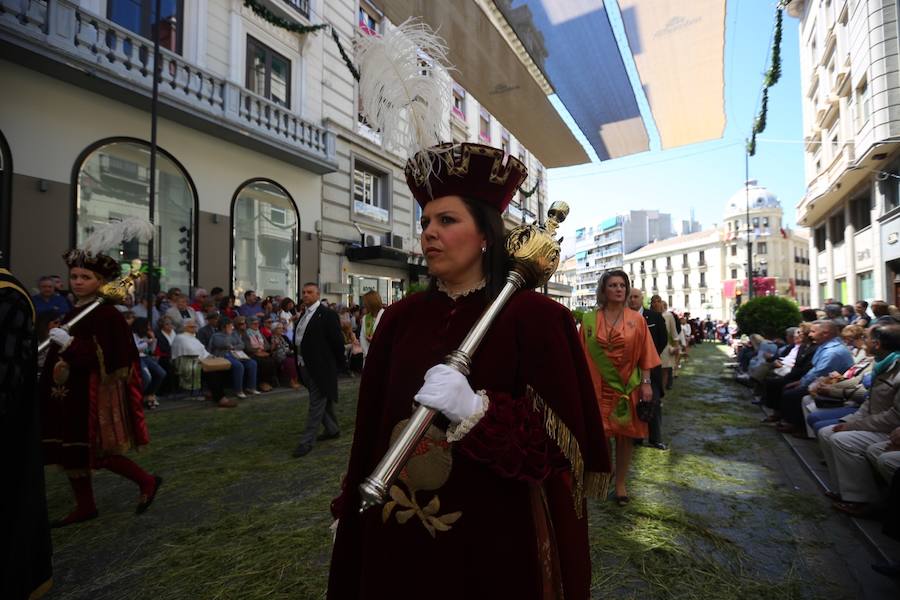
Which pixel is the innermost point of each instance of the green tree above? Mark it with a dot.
(768, 316)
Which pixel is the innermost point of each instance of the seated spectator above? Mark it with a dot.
(257, 347)
(226, 343)
(881, 312)
(152, 373)
(187, 352)
(251, 307)
(862, 317)
(167, 300)
(144, 308)
(853, 337)
(834, 311)
(186, 357)
(830, 355)
(845, 444)
(216, 295)
(181, 312)
(885, 456)
(837, 395)
(774, 385)
(48, 300)
(266, 328)
(283, 353)
(200, 297)
(165, 335)
(226, 307)
(352, 347)
(205, 333)
(289, 315)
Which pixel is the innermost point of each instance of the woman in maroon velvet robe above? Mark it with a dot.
(90, 389)
(493, 507)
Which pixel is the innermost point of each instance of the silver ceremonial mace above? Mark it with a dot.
(535, 255)
(113, 292)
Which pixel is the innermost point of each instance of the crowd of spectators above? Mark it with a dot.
(177, 335)
(835, 378)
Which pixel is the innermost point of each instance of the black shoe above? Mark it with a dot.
(887, 569)
(658, 445)
(302, 450)
(638, 442)
(328, 436)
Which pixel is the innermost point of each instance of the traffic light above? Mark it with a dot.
(737, 297)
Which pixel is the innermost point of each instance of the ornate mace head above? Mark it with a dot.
(114, 292)
(533, 248)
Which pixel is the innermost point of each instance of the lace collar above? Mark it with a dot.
(457, 295)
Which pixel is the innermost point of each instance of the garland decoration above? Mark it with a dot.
(529, 194)
(771, 78)
(267, 15)
(344, 55)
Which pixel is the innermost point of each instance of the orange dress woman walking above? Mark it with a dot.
(620, 353)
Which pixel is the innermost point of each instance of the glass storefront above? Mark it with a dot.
(266, 250)
(865, 287)
(388, 288)
(114, 183)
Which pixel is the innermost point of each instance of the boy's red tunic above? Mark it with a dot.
(511, 511)
(91, 393)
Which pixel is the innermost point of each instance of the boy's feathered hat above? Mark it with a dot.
(105, 237)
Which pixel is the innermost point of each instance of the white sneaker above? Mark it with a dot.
(241, 395)
(254, 392)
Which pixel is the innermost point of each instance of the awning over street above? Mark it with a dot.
(512, 54)
(490, 69)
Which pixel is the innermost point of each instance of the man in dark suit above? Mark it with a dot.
(657, 326)
(319, 346)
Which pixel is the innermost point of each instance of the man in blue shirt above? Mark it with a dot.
(47, 300)
(831, 355)
(251, 307)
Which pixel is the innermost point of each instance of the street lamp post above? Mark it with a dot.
(749, 239)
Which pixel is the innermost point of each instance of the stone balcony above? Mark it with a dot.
(63, 40)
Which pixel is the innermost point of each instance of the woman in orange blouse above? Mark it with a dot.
(621, 353)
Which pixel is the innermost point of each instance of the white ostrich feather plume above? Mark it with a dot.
(404, 85)
(111, 235)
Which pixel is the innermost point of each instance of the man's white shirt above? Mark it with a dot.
(301, 329)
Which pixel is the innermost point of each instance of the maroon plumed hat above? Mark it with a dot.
(476, 171)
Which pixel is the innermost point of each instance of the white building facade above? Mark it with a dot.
(704, 273)
(266, 177)
(849, 58)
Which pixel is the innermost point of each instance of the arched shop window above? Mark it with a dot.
(113, 182)
(265, 254)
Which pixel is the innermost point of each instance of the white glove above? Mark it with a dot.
(61, 337)
(448, 391)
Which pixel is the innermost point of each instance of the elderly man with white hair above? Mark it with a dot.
(187, 352)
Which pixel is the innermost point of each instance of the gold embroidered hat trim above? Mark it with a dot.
(584, 483)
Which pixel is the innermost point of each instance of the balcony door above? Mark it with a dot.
(137, 16)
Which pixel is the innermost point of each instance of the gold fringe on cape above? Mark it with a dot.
(585, 483)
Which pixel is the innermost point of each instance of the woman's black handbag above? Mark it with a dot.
(645, 411)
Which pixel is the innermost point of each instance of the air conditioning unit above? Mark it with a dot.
(370, 240)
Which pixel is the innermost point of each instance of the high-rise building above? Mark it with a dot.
(603, 246)
(851, 123)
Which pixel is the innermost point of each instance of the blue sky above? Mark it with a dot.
(703, 176)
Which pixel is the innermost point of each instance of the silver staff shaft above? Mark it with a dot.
(373, 490)
(72, 323)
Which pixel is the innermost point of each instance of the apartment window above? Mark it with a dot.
(889, 188)
(686, 280)
(761, 248)
(836, 225)
(370, 198)
(137, 16)
(268, 73)
(459, 101)
(669, 282)
(819, 238)
(655, 287)
(734, 249)
(755, 222)
(504, 141)
(484, 126)
(687, 300)
(369, 19)
(653, 264)
(765, 222)
(523, 156)
(702, 258)
(729, 226)
(668, 262)
(734, 273)
(684, 260)
(863, 103)
(703, 280)
(861, 211)
(671, 304)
